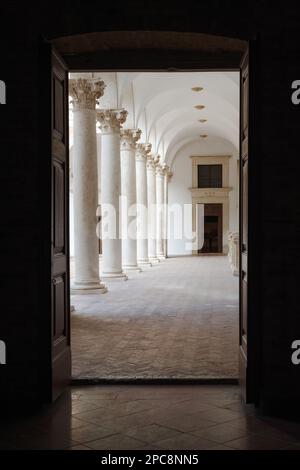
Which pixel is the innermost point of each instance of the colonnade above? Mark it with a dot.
(134, 188)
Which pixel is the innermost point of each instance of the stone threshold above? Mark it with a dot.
(155, 381)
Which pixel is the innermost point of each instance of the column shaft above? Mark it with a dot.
(142, 204)
(165, 218)
(98, 138)
(110, 121)
(128, 191)
(159, 211)
(151, 192)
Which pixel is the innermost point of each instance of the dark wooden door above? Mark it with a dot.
(56, 341)
(246, 340)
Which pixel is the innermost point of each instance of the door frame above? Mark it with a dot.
(178, 60)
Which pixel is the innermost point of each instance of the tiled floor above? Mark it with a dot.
(178, 319)
(150, 417)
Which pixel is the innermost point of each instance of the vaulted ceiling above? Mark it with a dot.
(174, 108)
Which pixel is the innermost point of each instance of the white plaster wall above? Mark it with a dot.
(181, 181)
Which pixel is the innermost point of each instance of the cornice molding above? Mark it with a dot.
(210, 192)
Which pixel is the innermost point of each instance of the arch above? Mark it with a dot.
(91, 42)
(181, 144)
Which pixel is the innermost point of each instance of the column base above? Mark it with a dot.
(144, 263)
(161, 257)
(88, 288)
(111, 276)
(132, 268)
(154, 260)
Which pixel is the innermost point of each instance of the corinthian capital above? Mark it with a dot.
(159, 170)
(110, 120)
(150, 162)
(85, 93)
(142, 151)
(157, 159)
(165, 168)
(129, 137)
(170, 174)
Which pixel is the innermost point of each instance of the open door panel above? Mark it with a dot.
(248, 369)
(61, 355)
(55, 359)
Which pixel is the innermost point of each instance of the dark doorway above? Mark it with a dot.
(213, 232)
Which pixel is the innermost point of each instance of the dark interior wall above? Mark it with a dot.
(276, 192)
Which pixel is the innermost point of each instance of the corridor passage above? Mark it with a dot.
(177, 319)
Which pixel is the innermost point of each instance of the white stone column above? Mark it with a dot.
(98, 137)
(142, 151)
(165, 217)
(160, 179)
(151, 192)
(109, 125)
(129, 137)
(85, 185)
